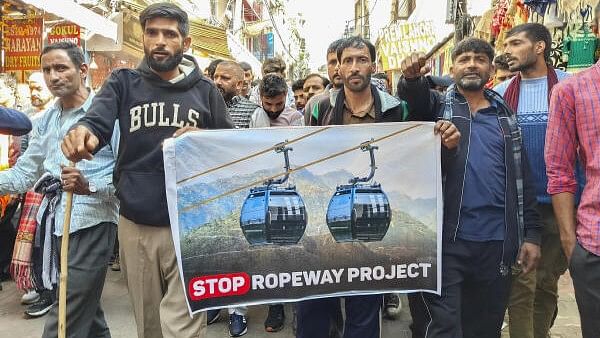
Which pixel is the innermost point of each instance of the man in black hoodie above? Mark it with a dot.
(164, 97)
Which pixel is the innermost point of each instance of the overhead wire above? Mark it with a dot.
(265, 2)
(290, 171)
(286, 142)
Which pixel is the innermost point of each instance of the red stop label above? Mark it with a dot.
(230, 284)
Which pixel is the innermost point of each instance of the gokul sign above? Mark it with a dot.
(65, 32)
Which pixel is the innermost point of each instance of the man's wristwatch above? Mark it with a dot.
(92, 187)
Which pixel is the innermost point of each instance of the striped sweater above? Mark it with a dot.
(532, 116)
(240, 109)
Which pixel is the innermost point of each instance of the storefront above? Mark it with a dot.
(111, 39)
(574, 42)
(441, 59)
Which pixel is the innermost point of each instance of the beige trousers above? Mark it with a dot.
(149, 265)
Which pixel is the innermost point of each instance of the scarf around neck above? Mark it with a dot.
(511, 96)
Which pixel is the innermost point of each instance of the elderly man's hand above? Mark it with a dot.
(73, 180)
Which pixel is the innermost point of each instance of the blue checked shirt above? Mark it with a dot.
(44, 155)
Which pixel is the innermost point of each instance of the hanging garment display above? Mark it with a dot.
(499, 16)
(570, 6)
(483, 28)
(517, 14)
(539, 6)
(579, 49)
(552, 19)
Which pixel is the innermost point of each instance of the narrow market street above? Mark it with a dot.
(229, 153)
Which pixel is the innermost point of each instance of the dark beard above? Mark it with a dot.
(528, 64)
(362, 86)
(273, 115)
(227, 96)
(166, 65)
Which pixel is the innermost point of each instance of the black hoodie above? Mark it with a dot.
(149, 110)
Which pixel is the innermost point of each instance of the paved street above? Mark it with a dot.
(120, 318)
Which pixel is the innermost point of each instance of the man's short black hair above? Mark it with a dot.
(473, 45)
(166, 10)
(274, 65)
(334, 46)
(273, 85)
(355, 42)
(298, 85)
(245, 66)
(501, 62)
(535, 32)
(323, 79)
(212, 67)
(75, 53)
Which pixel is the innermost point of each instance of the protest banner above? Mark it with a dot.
(285, 214)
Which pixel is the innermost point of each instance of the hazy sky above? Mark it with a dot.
(326, 20)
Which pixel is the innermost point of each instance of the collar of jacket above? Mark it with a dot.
(382, 101)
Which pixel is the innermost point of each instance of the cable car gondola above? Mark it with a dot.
(274, 213)
(359, 211)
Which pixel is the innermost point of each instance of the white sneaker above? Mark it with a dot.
(30, 297)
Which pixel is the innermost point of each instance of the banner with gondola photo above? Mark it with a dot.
(285, 214)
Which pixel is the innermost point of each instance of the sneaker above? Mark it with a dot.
(212, 316)
(41, 307)
(391, 306)
(116, 264)
(275, 319)
(30, 297)
(237, 325)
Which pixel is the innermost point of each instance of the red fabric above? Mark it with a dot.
(511, 95)
(573, 132)
(499, 16)
(21, 264)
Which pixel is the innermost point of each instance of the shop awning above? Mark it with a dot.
(78, 14)
(209, 39)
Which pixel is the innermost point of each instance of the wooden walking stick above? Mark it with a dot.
(64, 254)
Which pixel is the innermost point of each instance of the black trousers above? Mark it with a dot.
(474, 294)
(585, 271)
(89, 252)
(362, 317)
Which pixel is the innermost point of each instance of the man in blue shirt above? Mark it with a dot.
(95, 209)
(490, 220)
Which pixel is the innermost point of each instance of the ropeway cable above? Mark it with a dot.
(244, 187)
(284, 143)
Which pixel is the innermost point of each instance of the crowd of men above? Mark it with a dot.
(520, 162)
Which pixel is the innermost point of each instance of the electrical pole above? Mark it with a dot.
(457, 10)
